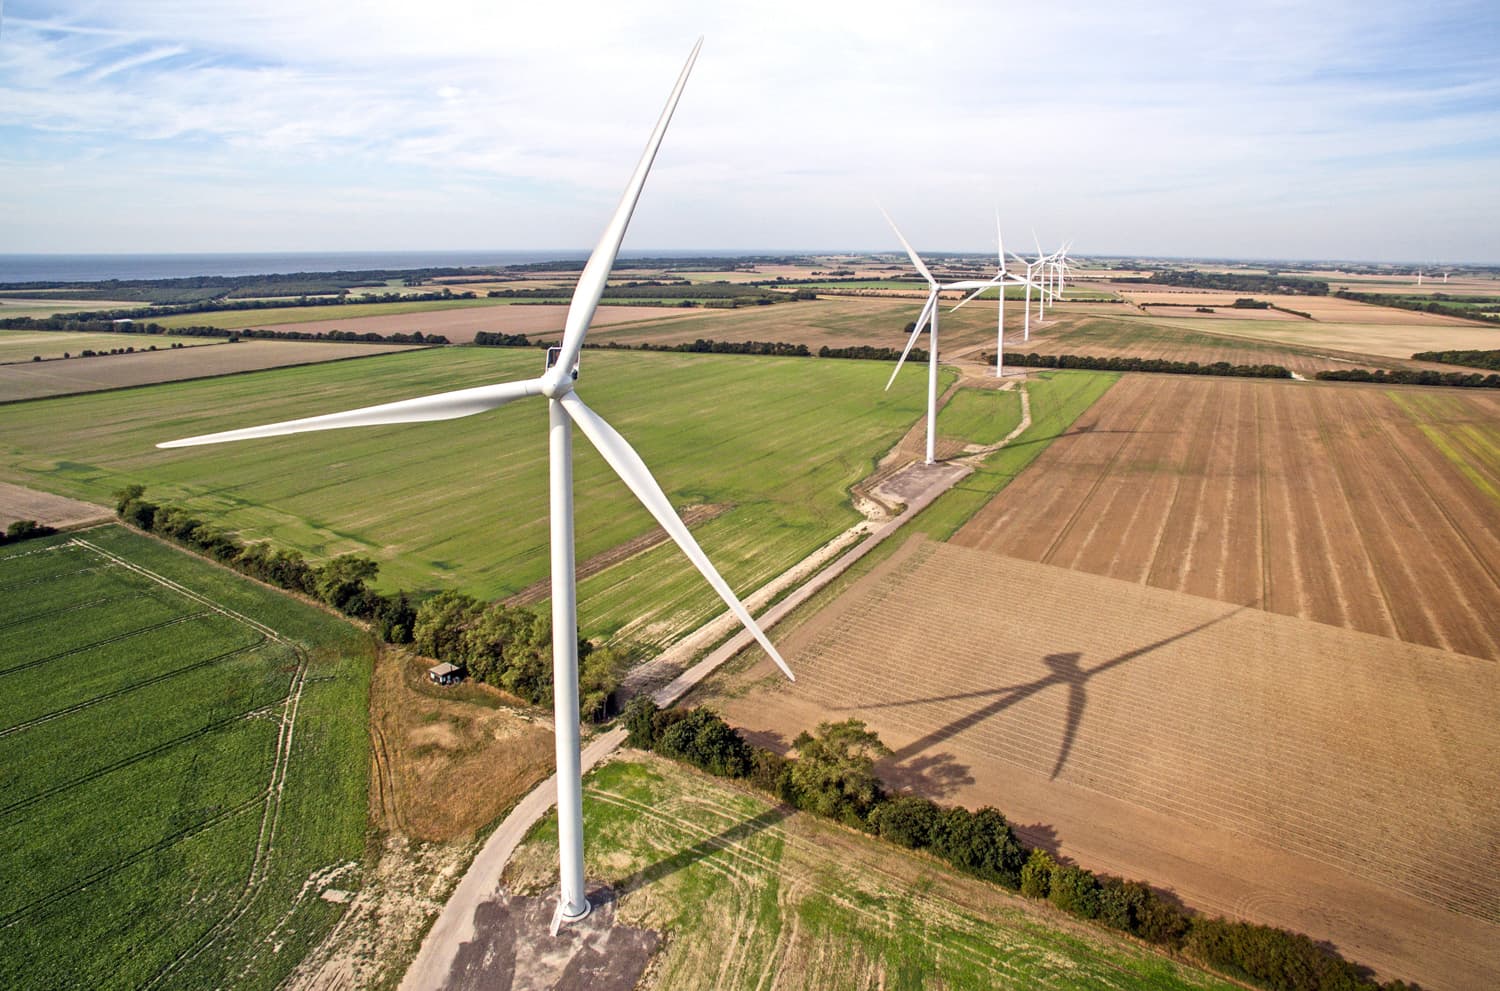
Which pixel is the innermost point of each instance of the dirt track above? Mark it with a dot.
(1283, 771)
(1325, 502)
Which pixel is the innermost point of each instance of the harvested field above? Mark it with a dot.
(1225, 336)
(1313, 500)
(1260, 766)
(23, 345)
(460, 325)
(37, 380)
(750, 895)
(18, 503)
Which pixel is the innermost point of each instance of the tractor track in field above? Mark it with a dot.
(174, 621)
(269, 799)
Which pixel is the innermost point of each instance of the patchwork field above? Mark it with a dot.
(457, 320)
(1260, 766)
(1326, 502)
(37, 380)
(753, 897)
(23, 345)
(463, 503)
(182, 768)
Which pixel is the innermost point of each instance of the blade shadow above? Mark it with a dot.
(1065, 672)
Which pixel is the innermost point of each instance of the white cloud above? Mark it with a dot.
(1252, 128)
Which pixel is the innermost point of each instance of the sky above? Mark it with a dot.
(1334, 130)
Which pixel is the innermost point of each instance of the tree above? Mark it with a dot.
(640, 722)
(704, 739)
(1036, 875)
(1074, 890)
(835, 770)
(981, 843)
(600, 670)
(441, 623)
(342, 582)
(909, 820)
(127, 495)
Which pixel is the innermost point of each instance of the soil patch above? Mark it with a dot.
(19, 503)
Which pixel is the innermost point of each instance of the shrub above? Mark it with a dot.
(908, 821)
(1036, 875)
(1074, 890)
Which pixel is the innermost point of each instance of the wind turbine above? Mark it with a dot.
(565, 409)
(1001, 279)
(929, 312)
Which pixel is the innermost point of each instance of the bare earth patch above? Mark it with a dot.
(18, 503)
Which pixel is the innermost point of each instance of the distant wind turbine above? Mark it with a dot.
(565, 409)
(1001, 279)
(929, 312)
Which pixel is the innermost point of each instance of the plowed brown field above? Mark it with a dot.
(1261, 766)
(1325, 502)
(1178, 334)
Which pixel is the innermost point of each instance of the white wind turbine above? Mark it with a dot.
(1001, 279)
(929, 312)
(565, 409)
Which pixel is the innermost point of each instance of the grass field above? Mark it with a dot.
(184, 760)
(23, 345)
(751, 896)
(463, 503)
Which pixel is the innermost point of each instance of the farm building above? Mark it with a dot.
(445, 674)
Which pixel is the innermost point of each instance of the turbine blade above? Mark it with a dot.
(596, 272)
(973, 295)
(915, 260)
(443, 406)
(916, 331)
(999, 240)
(633, 471)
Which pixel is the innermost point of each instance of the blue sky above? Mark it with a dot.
(1330, 130)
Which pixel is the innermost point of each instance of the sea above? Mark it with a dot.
(54, 268)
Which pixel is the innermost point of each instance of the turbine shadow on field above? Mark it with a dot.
(1064, 671)
(703, 849)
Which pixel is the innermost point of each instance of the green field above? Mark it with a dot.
(23, 345)
(240, 319)
(980, 416)
(751, 895)
(183, 768)
(463, 503)
(1057, 399)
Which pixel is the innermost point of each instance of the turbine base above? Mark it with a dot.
(567, 915)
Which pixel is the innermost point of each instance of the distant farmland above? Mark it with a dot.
(183, 756)
(40, 379)
(463, 503)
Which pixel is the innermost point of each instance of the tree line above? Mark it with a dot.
(833, 775)
(783, 349)
(1473, 359)
(1133, 364)
(508, 647)
(1234, 282)
(198, 288)
(1437, 303)
(230, 304)
(1406, 376)
(25, 530)
(96, 325)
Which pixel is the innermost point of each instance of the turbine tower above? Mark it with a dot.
(565, 409)
(929, 312)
